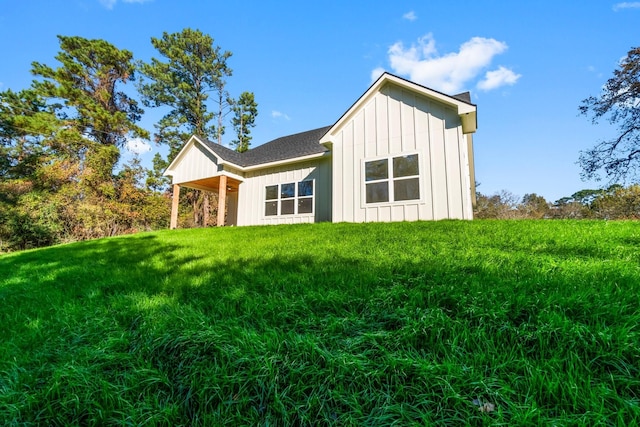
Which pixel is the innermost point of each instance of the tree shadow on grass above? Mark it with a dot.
(85, 265)
(283, 337)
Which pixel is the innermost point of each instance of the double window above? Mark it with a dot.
(289, 199)
(393, 179)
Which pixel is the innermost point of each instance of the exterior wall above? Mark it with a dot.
(232, 209)
(396, 122)
(252, 193)
(197, 163)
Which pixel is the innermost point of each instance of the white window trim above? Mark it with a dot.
(295, 199)
(390, 179)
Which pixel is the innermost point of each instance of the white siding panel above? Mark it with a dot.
(467, 206)
(438, 162)
(232, 209)
(348, 172)
(421, 121)
(251, 203)
(338, 179)
(197, 163)
(395, 125)
(382, 125)
(412, 212)
(452, 152)
(371, 214)
(358, 154)
(370, 129)
(393, 122)
(408, 122)
(398, 213)
(384, 213)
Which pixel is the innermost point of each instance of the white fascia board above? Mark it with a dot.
(273, 164)
(231, 174)
(462, 108)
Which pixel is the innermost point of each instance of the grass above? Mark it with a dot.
(327, 324)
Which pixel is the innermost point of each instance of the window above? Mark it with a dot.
(289, 199)
(392, 179)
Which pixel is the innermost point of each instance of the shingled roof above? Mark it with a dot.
(283, 148)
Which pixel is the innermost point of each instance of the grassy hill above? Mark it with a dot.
(459, 323)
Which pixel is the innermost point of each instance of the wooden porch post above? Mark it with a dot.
(222, 199)
(174, 206)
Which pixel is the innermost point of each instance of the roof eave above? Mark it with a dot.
(277, 163)
(462, 108)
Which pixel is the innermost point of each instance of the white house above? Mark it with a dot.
(402, 152)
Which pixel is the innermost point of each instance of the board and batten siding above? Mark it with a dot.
(197, 163)
(396, 122)
(252, 192)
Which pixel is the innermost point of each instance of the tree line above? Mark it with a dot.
(615, 202)
(617, 160)
(61, 139)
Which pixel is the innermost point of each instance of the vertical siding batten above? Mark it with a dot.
(347, 173)
(394, 112)
(423, 139)
(358, 156)
(452, 153)
(438, 166)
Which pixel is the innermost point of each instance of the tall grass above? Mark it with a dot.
(327, 324)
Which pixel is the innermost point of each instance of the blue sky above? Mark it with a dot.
(527, 65)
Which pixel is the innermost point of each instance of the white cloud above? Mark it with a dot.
(449, 72)
(109, 4)
(375, 73)
(410, 16)
(277, 114)
(626, 5)
(497, 78)
(138, 146)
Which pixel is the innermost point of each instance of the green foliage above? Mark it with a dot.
(25, 124)
(60, 144)
(327, 324)
(246, 111)
(618, 203)
(618, 102)
(191, 68)
(156, 181)
(502, 205)
(87, 82)
(534, 206)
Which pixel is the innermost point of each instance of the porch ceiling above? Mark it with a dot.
(212, 184)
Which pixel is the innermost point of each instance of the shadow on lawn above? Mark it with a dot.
(192, 319)
(100, 267)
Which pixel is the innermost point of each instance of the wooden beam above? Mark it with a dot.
(174, 206)
(205, 208)
(222, 199)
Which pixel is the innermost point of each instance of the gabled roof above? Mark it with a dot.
(291, 147)
(284, 148)
(464, 97)
(310, 144)
(460, 102)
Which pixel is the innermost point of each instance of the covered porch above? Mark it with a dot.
(226, 187)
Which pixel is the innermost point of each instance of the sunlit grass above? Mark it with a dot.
(327, 324)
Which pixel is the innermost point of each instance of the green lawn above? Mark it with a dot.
(329, 324)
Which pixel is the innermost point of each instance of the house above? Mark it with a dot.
(401, 152)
